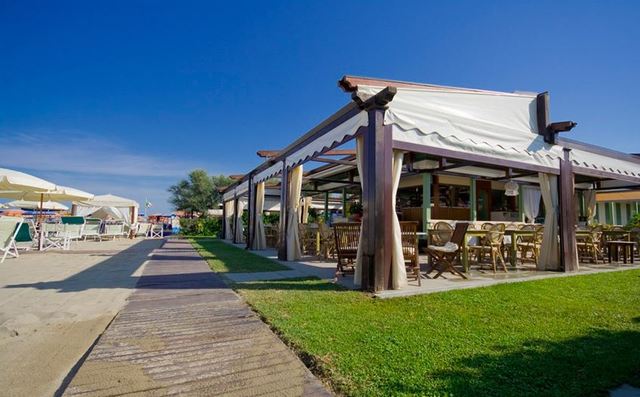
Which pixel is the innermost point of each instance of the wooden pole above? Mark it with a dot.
(326, 208)
(473, 207)
(224, 219)
(377, 205)
(284, 202)
(426, 201)
(567, 213)
(250, 212)
(235, 220)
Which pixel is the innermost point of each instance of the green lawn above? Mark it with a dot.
(226, 258)
(570, 336)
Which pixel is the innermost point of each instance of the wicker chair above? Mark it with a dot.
(409, 234)
(347, 237)
(443, 257)
(491, 244)
(327, 242)
(589, 244)
(441, 233)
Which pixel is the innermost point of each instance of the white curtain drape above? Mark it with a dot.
(259, 239)
(357, 275)
(590, 204)
(531, 202)
(306, 204)
(398, 269)
(294, 252)
(239, 235)
(228, 210)
(549, 258)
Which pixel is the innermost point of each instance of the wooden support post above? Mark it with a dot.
(521, 204)
(567, 214)
(250, 211)
(326, 208)
(473, 208)
(284, 209)
(426, 201)
(236, 224)
(224, 219)
(345, 210)
(376, 201)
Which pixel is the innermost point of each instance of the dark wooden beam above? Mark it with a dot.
(513, 176)
(567, 214)
(251, 194)
(333, 161)
(605, 174)
(235, 219)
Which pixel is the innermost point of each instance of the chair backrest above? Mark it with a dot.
(347, 236)
(73, 229)
(25, 233)
(442, 232)
(114, 228)
(92, 226)
(487, 226)
(51, 227)
(72, 220)
(459, 232)
(495, 235)
(409, 233)
(9, 228)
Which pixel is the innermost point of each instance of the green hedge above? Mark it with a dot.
(204, 226)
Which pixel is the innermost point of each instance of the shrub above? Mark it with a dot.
(203, 226)
(634, 221)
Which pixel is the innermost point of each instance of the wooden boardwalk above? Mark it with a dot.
(183, 332)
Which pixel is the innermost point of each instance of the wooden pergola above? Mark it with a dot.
(364, 117)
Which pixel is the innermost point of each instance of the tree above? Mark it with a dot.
(199, 192)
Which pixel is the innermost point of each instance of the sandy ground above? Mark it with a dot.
(54, 305)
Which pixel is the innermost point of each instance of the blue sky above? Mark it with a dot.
(127, 97)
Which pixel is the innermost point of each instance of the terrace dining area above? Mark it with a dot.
(415, 187)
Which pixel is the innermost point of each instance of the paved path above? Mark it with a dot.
(184, 332)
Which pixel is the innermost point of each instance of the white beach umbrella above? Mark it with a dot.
(19, 181)
(107, 200)
(35, 205)
(60, 193)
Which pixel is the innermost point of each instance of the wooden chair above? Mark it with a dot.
(589, 244)
(327, 242)
(347, 237)
(308, 237)
(443, 257)
(409, 234)
(271, 235)
(492, 244)
(525, 244)
(441, 233)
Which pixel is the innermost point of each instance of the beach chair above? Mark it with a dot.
(25, 239)
(50, 234)
(73, 227)
(143, 229)
(443, 256)
(156, 231)
(9, 228)
(113, 229)
(92, 229)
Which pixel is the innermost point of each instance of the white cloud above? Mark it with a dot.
(81, 153)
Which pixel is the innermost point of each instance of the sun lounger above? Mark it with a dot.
(73, 227)
(113, 229)
(9, 228)
(25, 239)
(156, 231)
(51, 235)
(143, 230)
(92, 228)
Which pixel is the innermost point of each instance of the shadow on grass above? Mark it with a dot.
(586, 366)
(290, 284)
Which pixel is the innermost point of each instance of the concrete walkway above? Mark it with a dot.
(185, 332)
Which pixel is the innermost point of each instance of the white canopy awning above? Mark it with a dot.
(493, 124)
(107, 200)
